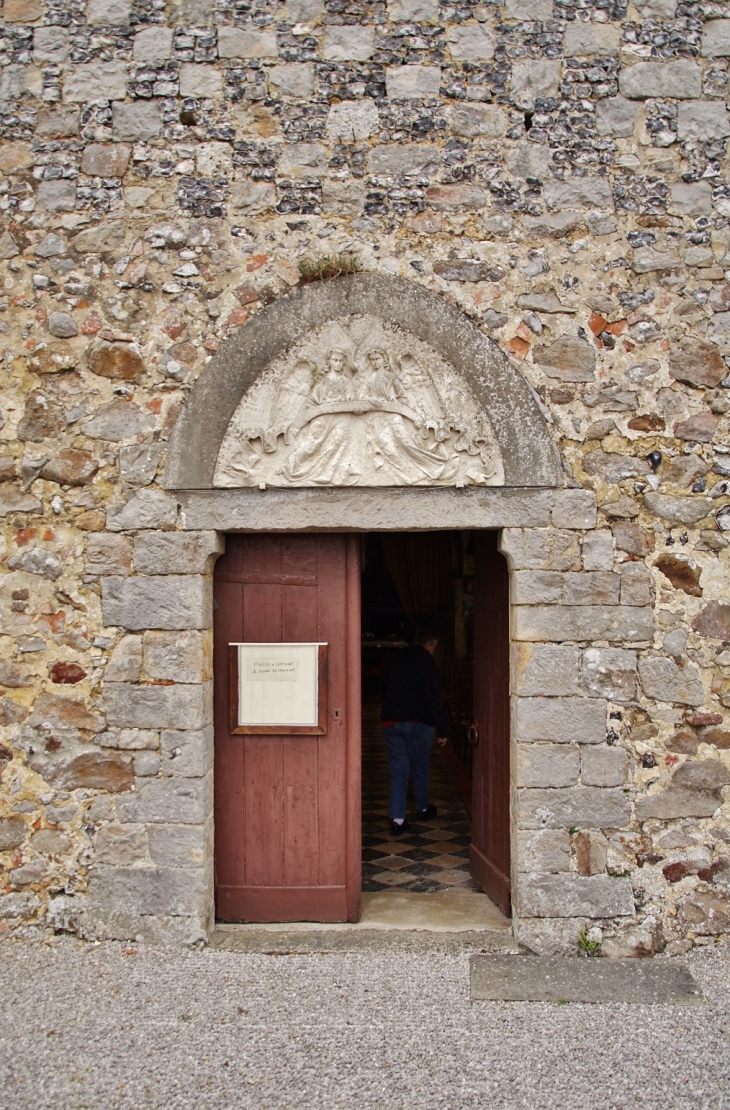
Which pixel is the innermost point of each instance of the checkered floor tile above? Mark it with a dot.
(432, 856)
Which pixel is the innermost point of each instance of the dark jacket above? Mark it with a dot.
(413, 689)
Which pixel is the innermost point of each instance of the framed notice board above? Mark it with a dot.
(278, 689)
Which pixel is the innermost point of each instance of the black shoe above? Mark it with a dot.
(396, 829)
(427, 814)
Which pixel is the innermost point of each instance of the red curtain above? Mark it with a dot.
(420, 565)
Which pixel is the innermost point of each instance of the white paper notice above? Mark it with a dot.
(278, 684)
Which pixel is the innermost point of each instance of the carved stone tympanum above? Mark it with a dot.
(359, 402)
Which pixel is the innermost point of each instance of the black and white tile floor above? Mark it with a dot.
(433, 856)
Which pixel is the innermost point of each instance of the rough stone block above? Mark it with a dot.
(191, 13)
(178, 656)
(125, 664)
(237, 42)
(594, 587)
(120, 845)
(545, 670)
(151, 707)
(170, 801)
(665, 680)
(136, 122)
(181, 845)
(546, 765)
(635, 584)
(598, 550)
(541, 549)
(536, 587)
(534, 80)
(343, 198)
(678, 510)
(56, 196)
(704, 120)
(593, 896)
(588, 807)
(187, 754)
(84, 83)
(471, 42)
(523, 160)
(131, 739)
(177, 552)
(147, 764)
(609, 673)
(474, 121)
(107, 554)
(692, 199)
(603, 766)
(147, 509)
(106, 13)
(200, 80)
(529, 10)
(293, 79)
(50, 44)
(303, 160)
(147, 890)
(695, 790)
(615, 116)
(415, 158)
(585, 40)
(413, 82)
(678, 80)
(348, 44)
(591, 852)
(138, 464)
(574, 508)
(544, 850)
(448, 197)
(584, 623)
(564, 720)
(716, 39)
(171, 602)
(153, 44)
(413, 11)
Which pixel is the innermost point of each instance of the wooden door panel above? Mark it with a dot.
(489, 853)
(287, 807)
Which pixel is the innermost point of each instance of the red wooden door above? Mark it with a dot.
(287, 807)
(489, 853)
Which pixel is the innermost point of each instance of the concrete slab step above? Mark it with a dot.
(573, 979)
(292, 941)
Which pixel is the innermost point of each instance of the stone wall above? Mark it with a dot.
(558, 171)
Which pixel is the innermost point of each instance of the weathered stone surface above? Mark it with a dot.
(524, 159)
(15, 675)
(146, 509)
(60, 122)
(148, 890)
(180, 845)
(91, 770)
(699, 429)
(177, 656)
(12, 833)
(594, 896)
(683, 742)
(445, 197)
(678, 80)
(663, 679)
(546, 669)
(574, 508)
(704, 121)
(632, 538)
(682, 572)
(609, 673)
(170, 801)
(343, 198)
(418, 158)
(684, 470)
(716, 39)
(564, 720)
(591, 588)
(11, 711)
(598, 550)
(153, 44)
(100, 239)
(707, 913)
(50, 44)
(151, 707)
(108, 12)
(693, 199)
(467, 269)
(412, 82)
(647, 260)
(200, 80)
(120, 845)
(473, 121)
(62, 325)
(66, 674)
(603, 766)
(349, 44)
(570, 358)
(125, 664)
(615, 116)
(583, 623)
(471, 43)
(37, 560)
(541, 549)
(137, 121)
(413, 11)
(116, 360)
(105, 159)
(108, 554)
(591, 851)
(238, 42)
(612, 467)
(591, 39)
(187, 754)
(546, 765)
(71, 468)
(635, 584)
(534, 79)
(177, 553)
(171, 602)
(713, 621)
(118, 420)
(56, 195)
(694, 791)
(351, 121)
(536, 587)
(589, 807)
(57, 711)
(86, 83)
(678, 510)
(545, 850)
(13, 499)
(138, 465)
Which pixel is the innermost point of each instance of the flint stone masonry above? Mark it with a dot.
(538, 194)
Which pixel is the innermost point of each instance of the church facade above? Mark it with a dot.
(313, 267)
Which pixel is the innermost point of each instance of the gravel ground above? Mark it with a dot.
(101, 1027)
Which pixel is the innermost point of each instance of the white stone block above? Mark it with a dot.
(150, 508)
(547, 670)
(601, 765)
(50, 44)
(352, 120)
(152, 707)
(154, 44)
(348, 44)
(583, 623)
(406, 158)
(574, 508)
(181, 656)
(177, 552)
(678, 80)
(187, 753)
(293, 79)
(84, 84)
(201, 81)
(413, 82)
(170, 602)
(536, 587)
(586, 40)
(716, 39)
(413, 11)
(705, 120)
(471, 42)
(609, 673)
(563, 720)
(615, 116)
(535, 80)
(236, 42)
(598, 550)
(546, 765)
(529, 11)
(106, 13)
(542, 850)
(581, 807)
(592, 896)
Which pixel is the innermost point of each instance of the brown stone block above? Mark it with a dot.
(713, 621)
(56, 711)
(682, 572)
(71, 468)
(116, 360)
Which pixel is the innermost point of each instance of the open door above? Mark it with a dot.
(489, 853)
(287, 806)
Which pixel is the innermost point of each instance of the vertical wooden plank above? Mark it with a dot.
(353, 610)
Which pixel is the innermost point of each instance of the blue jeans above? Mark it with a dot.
(409, 745)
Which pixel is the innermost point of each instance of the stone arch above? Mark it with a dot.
(529, 458)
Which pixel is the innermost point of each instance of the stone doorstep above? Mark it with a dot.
(293, 940)
(658, 981)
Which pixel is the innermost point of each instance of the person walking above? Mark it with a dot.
(412, 717)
